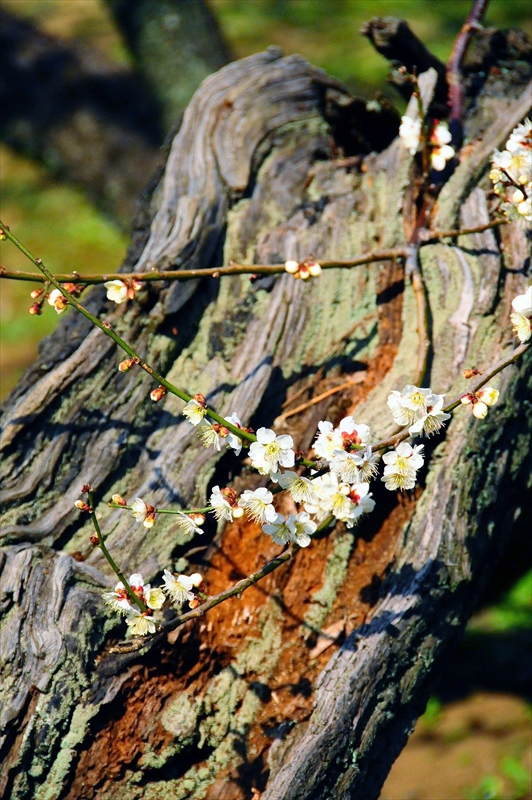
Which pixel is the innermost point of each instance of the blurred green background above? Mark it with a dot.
(474, 741)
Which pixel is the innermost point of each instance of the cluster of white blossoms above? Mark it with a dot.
(511, 175)
(439, 140)
(177, 588)
(522, 315)
(339, 486)
(418, 409)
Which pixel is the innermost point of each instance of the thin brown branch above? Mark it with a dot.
(233, 591)
(317, 399)
(487, 376)
(471, 388)
(427, 236)
(190, 274)
(454, 67)
(336, 347)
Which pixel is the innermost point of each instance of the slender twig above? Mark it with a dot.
(189, 274)
(106, 328)
(234, 591)
(427, 236)
(316, 399)
(118, 572)
(187, 511)
(336, 347)
(471, 389)
(454, 68)
(487, 376)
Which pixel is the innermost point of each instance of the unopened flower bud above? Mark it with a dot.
(238, 512)
(82, 506)
(199, 519)
(158, 393)
(36, 293)
(35, 309)
(314, 269)
(94, 539)
(195, 602)
(119, 500)
(221, 430)
(86, 488)
(126, 364)
(197, 580)
(72, 288)
(2, 235)
(291, 267)
(470, 373)
(304, 273)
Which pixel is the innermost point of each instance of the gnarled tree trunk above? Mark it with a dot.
(248, 698)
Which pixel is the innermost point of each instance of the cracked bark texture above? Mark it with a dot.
(239, 702)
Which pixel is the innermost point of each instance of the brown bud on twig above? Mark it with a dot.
(86, 488)
(470, 373)
(158, 393)
(35, 309)
(126, 364)
(94, 539)
(83, 506)
(118, 500)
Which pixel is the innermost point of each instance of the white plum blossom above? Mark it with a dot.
(521, 137)
(140, 624)
(296, 528)
(188, 523)
(258, 504)
(232, 440)
(348, 436)
(333, 498)
(348, 466)
(511, 175)
(361, 498)
(442, 152)
(209, 434)
(271, 451)
(300, 489)
(522, 315)
(410, 133)
(119, 599)
(327, 441)
(143, 512)
(117, 291)
(57, 300)
(195, 409)
(154, 597)
(481, 400)
(419, 409)
(178, 587)
(402, 465)
(225, 504)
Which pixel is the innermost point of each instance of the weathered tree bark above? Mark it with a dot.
(244, 699)
(96, 125)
